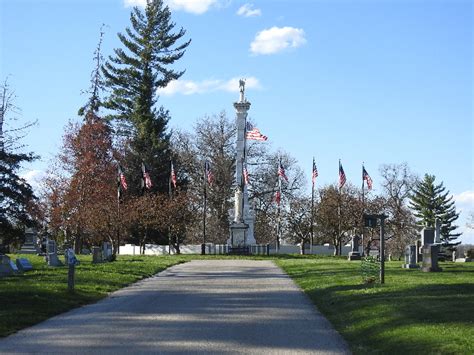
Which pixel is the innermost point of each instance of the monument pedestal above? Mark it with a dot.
(430, 258)
(31, 243)
(238, 234)
(354, 255)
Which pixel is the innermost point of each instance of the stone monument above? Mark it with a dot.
(430, 251)
(410, 257)
(31, 243)
(96, 255)
(243, 217)
(107, 251)
(52, 253)
(354, 253)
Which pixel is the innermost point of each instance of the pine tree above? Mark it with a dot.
(430, 201)
(133, 76)
(15, 193)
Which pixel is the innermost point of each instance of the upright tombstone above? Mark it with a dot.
(430, 251)
(242, 224)
(354, 253)
(6, 267)
(52, 253)
(96, 255)
(31, 243)
(419, 257)
(107, 251)
(410, 257)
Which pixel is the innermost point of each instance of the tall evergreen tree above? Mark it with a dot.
(15, 192)
(431, 201)
(133, 76)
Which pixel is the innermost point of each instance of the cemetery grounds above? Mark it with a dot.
(413, 312)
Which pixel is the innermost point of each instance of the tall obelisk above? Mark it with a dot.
(242, 225)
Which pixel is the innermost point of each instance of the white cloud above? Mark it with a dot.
(197, 7)
(247, 10)
(189, 87)
(465, 198)
(277, 39)
(34, 178)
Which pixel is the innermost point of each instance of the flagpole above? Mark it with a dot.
(363, 210)
(339, 212)
(278, 209)
(203, 248)
(118, 212)
(312, 209)
(170, 193)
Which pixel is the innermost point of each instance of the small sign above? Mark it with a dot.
(370, 221)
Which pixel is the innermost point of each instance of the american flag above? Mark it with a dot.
(278, 197)
(314, 175)
(366, 177)
(123, 181)
(342, 176)
(253, 133)
(281, 172)
(209, 174)
(173, 176)
(246, 176)
(146, 177)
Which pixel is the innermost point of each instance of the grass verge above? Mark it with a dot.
(412, 313)
(34, 296)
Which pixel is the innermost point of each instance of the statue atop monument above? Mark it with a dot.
(242, 89)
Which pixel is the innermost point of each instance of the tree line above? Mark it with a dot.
(122, 125)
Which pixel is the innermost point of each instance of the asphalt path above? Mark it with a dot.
(206, 306)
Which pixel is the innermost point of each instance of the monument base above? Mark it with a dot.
(463, 260)
(53, 260)
(410, 266)
(238, 234)
(431, 269)
(354, 255)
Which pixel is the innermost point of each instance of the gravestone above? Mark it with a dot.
(430, 258)
(96, 255)
(52, 253)
(31, 243)
(466, 258)
(427, 236)
(24, 264)
(419, 257)
(107, 251)
(410, 257)
(6, 268)
(354, 253)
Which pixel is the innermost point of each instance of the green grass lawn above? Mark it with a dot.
(412, 313)
(31, 297)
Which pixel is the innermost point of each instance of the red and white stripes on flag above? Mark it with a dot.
(209, 173)
(253, 133)
(122, 180)
(281, 171)
(246, 175)
(278, 197)
(366, 177)
(173, 176)
(314, 173)
(342, 176)
(146, 177)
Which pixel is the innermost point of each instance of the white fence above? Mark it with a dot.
(260, 249)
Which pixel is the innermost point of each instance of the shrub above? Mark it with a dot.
(369, 269)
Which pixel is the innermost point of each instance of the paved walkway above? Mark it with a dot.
(215, 306)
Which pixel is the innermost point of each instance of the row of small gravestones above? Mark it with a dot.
(8, 266)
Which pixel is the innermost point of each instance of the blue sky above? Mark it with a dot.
(377, 81)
